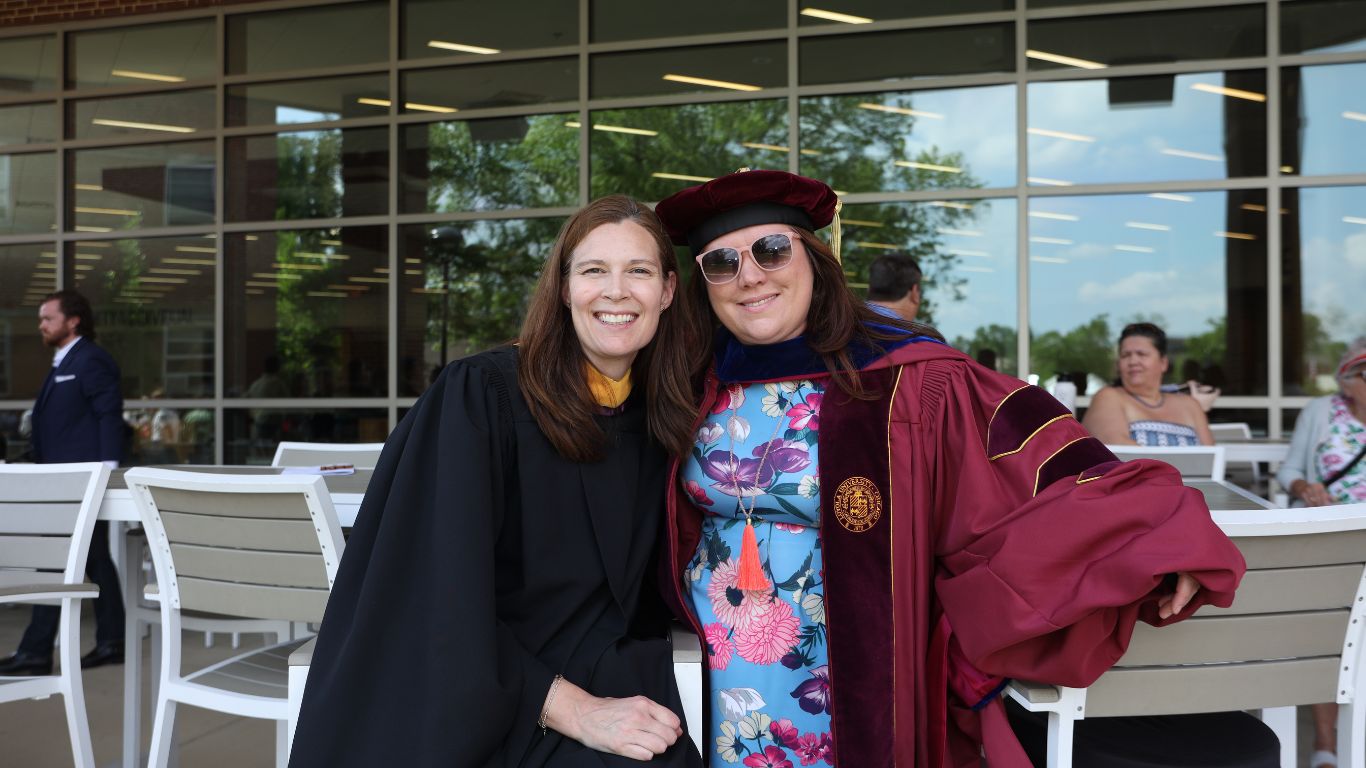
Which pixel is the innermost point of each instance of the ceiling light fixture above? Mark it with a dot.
(680, 177)
(1235, 93)
(462, 47)
(1043, 182)
(624, 129)
(928, 166)
(1173, 197)
(1235, 235)
(1061, 135)
(146, 76)
(1054, 216)
(1135, 249)
(900, 110)
(846, 18)
(1050, 240)
(726, 84)
(1146, 225)
(1058, 58)
(142, 126)
(1192, 155)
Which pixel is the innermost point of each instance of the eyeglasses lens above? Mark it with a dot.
(771, 252)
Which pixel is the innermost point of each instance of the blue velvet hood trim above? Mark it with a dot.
(736, 362)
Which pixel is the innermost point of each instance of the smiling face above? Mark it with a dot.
(1141, 366)
(616, 290)
(758, 306)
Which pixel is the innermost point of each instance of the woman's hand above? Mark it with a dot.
(1186, 587)
(1312, 494)
(1204, 394)
(636, 727)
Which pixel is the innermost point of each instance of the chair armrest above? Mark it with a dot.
(687, 646)
(47, 593)
(152, 593)
(1044, 697)
(303, 655)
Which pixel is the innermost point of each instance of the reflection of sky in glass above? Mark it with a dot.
(1077, 136)
(976, 122)
(1333, 258)
(1332, 112)
(1129, 256)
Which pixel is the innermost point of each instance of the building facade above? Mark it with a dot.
(290, 215)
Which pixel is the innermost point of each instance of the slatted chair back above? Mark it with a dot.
(1192, 461)
(254, 546)
(46, 514)
(1292, 636)
(321, 454)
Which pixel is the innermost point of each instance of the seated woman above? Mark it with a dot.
(1137, 411)
(495, 605)
(1327, 465)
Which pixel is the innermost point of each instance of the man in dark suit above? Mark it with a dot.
(78, 417)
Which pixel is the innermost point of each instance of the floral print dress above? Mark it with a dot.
(1346, 436)
(766, 650)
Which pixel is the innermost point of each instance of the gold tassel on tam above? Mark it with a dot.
(836, 237)
(751, 571)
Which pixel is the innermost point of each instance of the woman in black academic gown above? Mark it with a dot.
(495, 606)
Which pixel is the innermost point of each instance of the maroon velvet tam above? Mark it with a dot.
(698, 215)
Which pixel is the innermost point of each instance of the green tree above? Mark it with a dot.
(1088, 347)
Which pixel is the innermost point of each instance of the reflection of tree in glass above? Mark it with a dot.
(477, 285)
(308, 336)
(505, 162)
(691, 140)
(1089, 347)
(1321, 353)
(854, 147)
(309, 184)
(999, 339)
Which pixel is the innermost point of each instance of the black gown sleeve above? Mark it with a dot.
(413, 666)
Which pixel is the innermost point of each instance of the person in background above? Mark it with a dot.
(871, 530)
(495, 606)
(1326, 465)
(78, 417)
(894, 284)
(1136, 411)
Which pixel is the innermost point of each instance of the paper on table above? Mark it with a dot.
(326, 469)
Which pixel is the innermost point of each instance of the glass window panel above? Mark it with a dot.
(1323, 26)
(154, 308)
(653, 152)
(1257, 419)
(148, 185)
(169, 436)
(615, 20)
(30, 274)
(28, 65)
(308, 101)
(967, 254)
(306, 313)
(151, 114)
(464, 288)
(855, 11)
(917, 53)
(1323, 261)
(703, 69)
(1288, 417)
(1208, 125)
(28, 193)
(146, 55)
(28, 124)
(14, 432)
(1148, 38)
(308, 38)
(308, 174)
(251, 435)
(1323, 126)
(502, 162)
(961, 138)
(510, 84)
(480, 28)
(1194, 263)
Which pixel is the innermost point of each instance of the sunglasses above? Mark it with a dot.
(770, 253)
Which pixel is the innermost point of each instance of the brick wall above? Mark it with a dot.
(15, 13)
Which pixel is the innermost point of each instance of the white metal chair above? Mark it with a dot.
(1294, 635)
(321, 454)
(1236, 430)
(47, 513)
(1193, 461)
(253, 546)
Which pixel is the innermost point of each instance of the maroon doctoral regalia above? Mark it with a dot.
(973, 531)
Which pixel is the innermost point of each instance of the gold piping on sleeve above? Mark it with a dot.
(997, 409)
(1039, 471)
(1080, 481)
(891, 543)
(1032, 435)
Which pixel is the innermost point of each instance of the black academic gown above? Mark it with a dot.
(481, 565)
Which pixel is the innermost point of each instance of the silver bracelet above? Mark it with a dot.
(549, 699)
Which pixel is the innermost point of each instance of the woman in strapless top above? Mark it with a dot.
(1137, 411)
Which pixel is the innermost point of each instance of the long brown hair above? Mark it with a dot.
(551, 368)
(835, 320)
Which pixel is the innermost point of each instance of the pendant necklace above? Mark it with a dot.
(750, 572)
(1161, 398)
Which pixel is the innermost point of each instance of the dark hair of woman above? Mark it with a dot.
(1148, 331)
(551, 368)
(836, 318)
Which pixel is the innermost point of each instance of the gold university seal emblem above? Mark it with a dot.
(858, 504)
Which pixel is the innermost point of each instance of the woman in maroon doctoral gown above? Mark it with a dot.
(950, 526)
